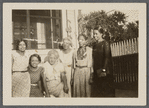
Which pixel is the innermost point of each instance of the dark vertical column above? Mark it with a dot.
(28, 28)
(51, 28)
(67, 22)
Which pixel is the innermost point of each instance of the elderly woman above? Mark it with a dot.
(55, 76)
(20, 75)
(66, 58)
(82, 69)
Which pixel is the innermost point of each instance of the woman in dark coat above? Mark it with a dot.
(102, 65)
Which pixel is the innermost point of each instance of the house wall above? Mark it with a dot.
(70, 15)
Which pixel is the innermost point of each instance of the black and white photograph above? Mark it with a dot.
(74, 54)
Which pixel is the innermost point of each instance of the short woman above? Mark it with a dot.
(82, 69)
(66, 58)
(103, 70)
(20, 75)
(55, 76)
(37, 76)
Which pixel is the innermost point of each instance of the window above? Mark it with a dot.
(41, 28)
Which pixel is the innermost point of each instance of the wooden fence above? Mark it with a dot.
(125, 47)
(125, 63)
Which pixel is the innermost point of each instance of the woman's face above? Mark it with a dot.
(34, 61)
(52, 59)
(97, 35)
(82, 41)
(22, 46)
(66, 44)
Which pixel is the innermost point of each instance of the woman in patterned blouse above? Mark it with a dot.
(37, 76)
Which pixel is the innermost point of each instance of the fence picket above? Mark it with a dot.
(124, 54)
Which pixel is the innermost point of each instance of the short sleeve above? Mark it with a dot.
(90, 58)
(42, 72)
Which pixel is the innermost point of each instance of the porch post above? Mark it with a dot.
(28, 28)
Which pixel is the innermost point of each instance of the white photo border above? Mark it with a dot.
(7, 45)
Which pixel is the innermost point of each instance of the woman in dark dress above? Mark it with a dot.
(37, 76)
(102, 65)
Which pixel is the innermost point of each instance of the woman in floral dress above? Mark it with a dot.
(20, 75)
(82, 69)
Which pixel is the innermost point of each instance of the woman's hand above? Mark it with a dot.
(103, 74)
(47, 79)
(65, 89)
(71, 82)
(91, 79)
(100, 73)
(47, 95)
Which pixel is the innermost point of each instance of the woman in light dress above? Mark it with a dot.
(20, 75)
(82, 69)
(56, 81)
(66, 58)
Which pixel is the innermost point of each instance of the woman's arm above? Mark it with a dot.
(40, 86)
(90, 61)
(64, 80)
(107, 50)
(72, 67)
(43, 75)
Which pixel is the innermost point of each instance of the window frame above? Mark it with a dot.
(28, 24)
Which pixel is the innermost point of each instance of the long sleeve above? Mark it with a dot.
(107, 51)
(90, 59)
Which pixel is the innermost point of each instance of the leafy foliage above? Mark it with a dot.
(114, 23)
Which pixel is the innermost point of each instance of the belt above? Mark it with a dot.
(19, 71)
(81, 66)
(34, 85)
(67, 65)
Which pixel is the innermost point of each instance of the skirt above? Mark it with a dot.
(20, 84)
(36, 92)
(55, 88)
(81, 86)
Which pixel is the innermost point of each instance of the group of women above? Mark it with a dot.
(84, 72)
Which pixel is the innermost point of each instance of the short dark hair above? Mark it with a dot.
(34, 55)
(18, 42)
(85, 37)
(105, 34)
(99, 29)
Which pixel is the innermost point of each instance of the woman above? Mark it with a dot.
(55, 76)
(82, 69)
(103, 72)
(37, 76)
(66, 58)
(20, 75)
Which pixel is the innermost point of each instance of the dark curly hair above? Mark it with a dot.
(34, 55)
(18, 42)
(85, 37)
(105, 34)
